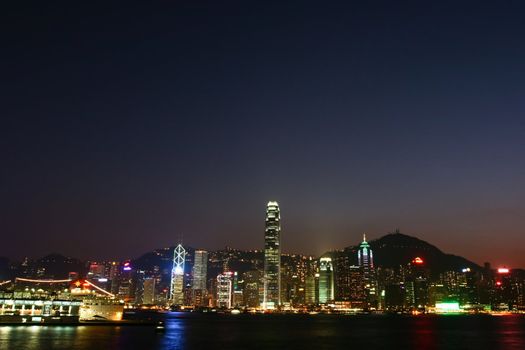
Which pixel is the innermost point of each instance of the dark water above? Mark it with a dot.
(201, 331)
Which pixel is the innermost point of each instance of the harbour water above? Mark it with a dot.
(213, 331)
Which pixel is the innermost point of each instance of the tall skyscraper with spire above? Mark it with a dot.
(365, 259)
(365, 256)
(177, 275)
(272, 257)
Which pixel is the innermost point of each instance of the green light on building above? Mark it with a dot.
(449, 307)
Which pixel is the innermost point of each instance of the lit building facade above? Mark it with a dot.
(177, 276)
(225, 290)
(326, 280)
(272, 257)
(149, 291)
(312, 289)
(251, 288)
(365, 258)
(200, 269)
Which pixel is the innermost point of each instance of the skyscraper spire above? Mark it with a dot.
(364, 236)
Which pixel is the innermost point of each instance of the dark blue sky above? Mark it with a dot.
(125, 126)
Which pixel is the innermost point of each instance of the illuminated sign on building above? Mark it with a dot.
(418, 261)
(447, 307)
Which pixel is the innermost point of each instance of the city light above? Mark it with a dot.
(447, 307)
(418, 261)
(409, 289)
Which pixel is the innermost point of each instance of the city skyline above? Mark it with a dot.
(290, 174)
(396, 274)
(360, 247)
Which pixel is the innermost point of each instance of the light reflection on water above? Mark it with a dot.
(197, 331)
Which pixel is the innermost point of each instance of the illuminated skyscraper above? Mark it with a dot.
(349, 285)
(312, 289)
(177, 276)
(326, 280)
(365, 256)
(272, 257)
(225, 290)
(365, 259)
(200, 267)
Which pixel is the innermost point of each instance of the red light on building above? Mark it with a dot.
(418, 261)
(498, 283)
(503, 270)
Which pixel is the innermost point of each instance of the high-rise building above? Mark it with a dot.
(149, 291)
(272, 257)
(365, 257)
(326, 280)
(312, 289)
(138, 281)
(251, 288)
(126, 290)
(225, 290)
(365, 260)
(177, 276)
(200, 268)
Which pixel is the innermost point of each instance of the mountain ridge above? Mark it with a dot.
(396, 248)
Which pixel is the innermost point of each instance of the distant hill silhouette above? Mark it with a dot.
(391, 250)
(396, 249)
(56, 266)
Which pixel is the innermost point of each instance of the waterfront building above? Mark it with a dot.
(312, 289)
(356, 286)
(395, 296)
(272, 257)
(416, 284)
(200, 269)
(326, 280)
(177, 276)
(125, 287)
(139, 287)
(252, 283)
(225, 290)
(365, 258)
(342, 263)
(149, 291)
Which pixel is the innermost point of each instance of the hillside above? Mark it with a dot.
(396, 249)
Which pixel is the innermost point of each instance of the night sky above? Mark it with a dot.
(125, 126)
